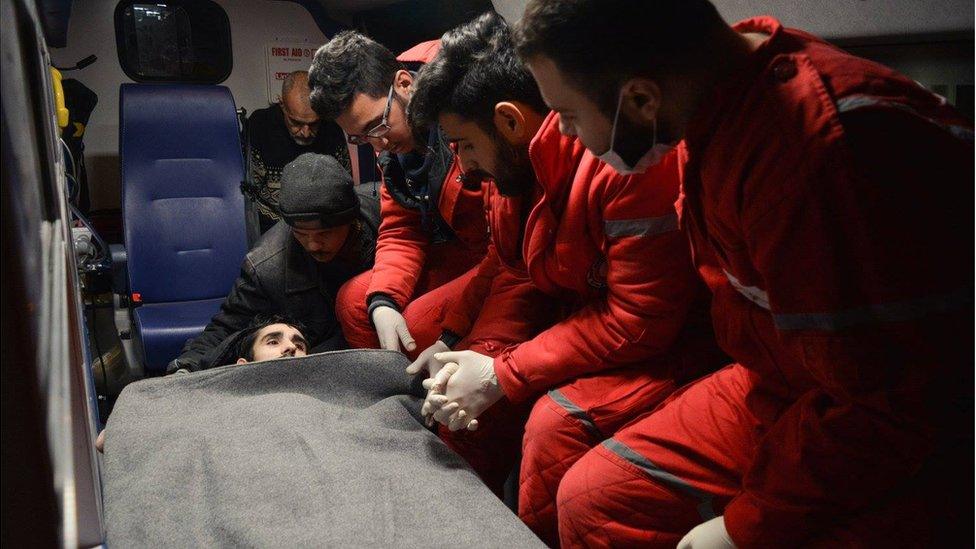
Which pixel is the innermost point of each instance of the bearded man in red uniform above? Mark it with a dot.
(574, 235)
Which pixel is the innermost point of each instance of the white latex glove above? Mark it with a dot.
(470, 390)
(426, 360)
(436, 400)
(708, 535)
(391, 329)
(436, 405)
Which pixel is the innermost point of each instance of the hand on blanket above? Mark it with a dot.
(391, 329)
(100, 441)
(463, 389)
(426, 360)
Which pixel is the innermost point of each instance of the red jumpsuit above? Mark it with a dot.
(607, 246)
(500, 307)
(828, 204)
(423, 279)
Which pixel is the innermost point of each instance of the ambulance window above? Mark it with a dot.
(173, 41)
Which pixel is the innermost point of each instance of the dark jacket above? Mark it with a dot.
(279, 277)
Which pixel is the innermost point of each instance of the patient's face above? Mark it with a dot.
(277, 341)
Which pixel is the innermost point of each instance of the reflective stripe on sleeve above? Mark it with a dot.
(645, 226)
(894, 311)
(752, 293)
(854, 102)
(576, 412)
(705, 508)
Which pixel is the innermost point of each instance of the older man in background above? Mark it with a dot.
(281, 133)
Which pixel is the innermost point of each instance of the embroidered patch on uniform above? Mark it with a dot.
(597, 275)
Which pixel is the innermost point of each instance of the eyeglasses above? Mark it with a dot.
(376, 131)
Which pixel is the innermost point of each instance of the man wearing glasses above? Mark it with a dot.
(434, 231)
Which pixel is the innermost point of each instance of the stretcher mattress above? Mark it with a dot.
(326, 451)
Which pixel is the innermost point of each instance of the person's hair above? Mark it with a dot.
(293, 79)
(475, 68)
(348, 64)
(245, 347)
(599, 44)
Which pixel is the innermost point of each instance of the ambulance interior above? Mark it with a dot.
(91, 88)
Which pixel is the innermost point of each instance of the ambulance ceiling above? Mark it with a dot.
(398, 24)
(901, 20)
(828, 18)
(418, 19)
(896, 20)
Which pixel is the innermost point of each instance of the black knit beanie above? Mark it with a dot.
(315, 187)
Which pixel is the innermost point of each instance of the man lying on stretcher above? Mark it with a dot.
(266, 338)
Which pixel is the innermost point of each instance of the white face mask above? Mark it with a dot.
(650, 158)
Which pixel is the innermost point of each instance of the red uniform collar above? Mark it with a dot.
(555, 158)
(762, 24)
(701, 124)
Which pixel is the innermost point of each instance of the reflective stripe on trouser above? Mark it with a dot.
(647, 486)
(892, 311)
(659, 476)
(705, 508)
(557, 434)
(576, 412)
(566, 423)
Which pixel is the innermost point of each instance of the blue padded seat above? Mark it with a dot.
(182, 209)
(169, 325)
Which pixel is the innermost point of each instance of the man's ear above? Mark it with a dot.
(403, 82)
(516, 122)
(241, 361)
(641, 100)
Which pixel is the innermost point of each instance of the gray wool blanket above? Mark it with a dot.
(322, 451)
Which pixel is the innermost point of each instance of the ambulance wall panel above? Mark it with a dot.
(91, 30)
(930, 41)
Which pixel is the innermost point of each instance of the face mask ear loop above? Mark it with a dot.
(616, 117)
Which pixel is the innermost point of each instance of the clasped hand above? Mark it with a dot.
(461, 391)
